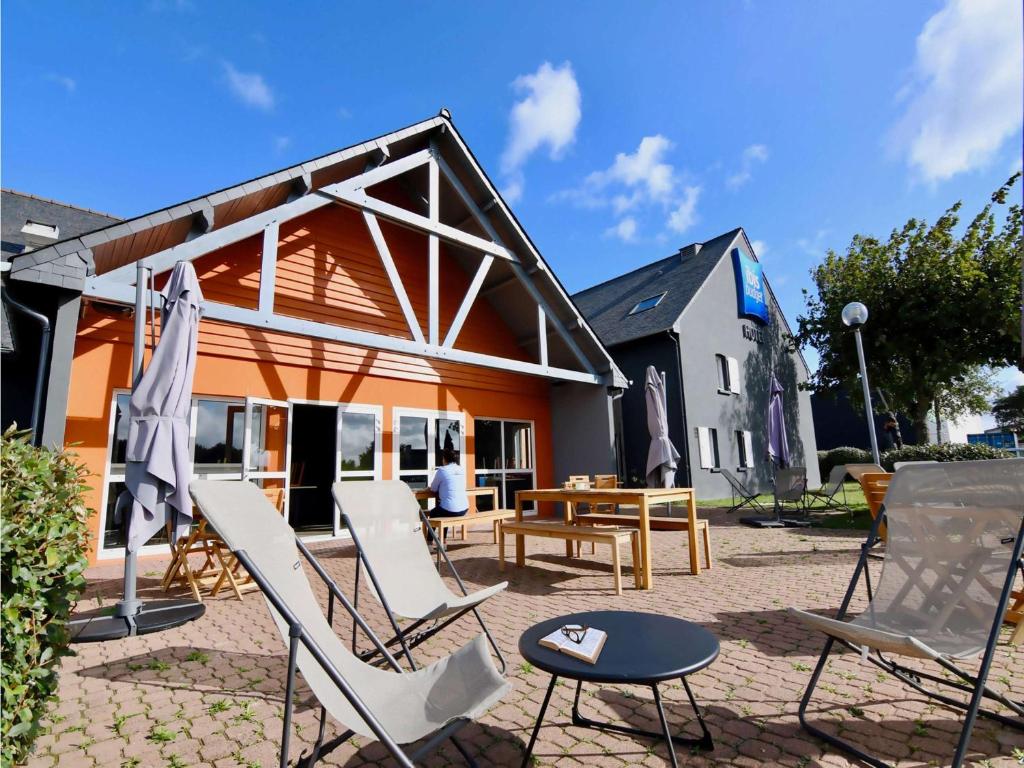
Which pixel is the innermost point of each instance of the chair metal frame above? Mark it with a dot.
(747, 499)
(297, 634)
(827, 500)
(410, 637)
(914, 678)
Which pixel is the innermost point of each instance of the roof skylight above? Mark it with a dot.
(648, 303)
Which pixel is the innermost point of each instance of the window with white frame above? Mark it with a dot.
(728, 369)
(420, 438)
(358, 443)
(504, 450)
(217, 432)
(744, 447)
(707, 447)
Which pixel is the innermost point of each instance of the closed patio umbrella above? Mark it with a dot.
(662, 456)
(158, 465)
(778, 444)
(778, 449)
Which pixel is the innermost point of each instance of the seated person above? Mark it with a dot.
(449, 484)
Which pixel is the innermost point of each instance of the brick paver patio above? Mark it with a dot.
(210, 693)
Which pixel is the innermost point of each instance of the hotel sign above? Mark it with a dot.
(750, 289)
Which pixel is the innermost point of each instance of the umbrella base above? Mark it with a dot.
(155, 616)
(796, 522)
(762, 522)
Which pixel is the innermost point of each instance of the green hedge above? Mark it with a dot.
(946, 452)
(42, 558)
(845, 455)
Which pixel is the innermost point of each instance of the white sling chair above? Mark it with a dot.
(955, 536)
(387, 526)
(393, 707)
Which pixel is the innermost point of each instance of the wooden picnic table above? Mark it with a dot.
(643, 498)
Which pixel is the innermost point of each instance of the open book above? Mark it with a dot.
(588, 649)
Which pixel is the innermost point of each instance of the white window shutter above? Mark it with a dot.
(734, 375)
(707, 460)
(748, 447)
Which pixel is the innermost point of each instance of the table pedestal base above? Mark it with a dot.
(705, 742)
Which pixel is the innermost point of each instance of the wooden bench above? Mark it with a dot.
(658, 523)
(494, 516)
(875, 484)
(570, 533)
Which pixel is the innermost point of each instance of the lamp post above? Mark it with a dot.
(855, 315)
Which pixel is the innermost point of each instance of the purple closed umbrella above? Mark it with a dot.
(778, 445)
(158, 466)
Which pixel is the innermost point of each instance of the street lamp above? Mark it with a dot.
(855, 315)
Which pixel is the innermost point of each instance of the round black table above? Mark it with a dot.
(642, 649)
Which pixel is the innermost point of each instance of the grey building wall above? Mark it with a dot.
(711, 325)
(582, 430)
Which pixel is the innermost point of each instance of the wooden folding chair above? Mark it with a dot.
(199, 541)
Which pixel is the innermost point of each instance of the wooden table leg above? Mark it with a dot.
(691, 532)
(634, 541)
(569, 515)
(645, 542)
(617, 566)
(501, 546)
(520, 543)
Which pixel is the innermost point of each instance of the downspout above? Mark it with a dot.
(44, 349)
(674, 338)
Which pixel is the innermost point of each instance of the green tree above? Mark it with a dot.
(940, 306)
(969, 393)
(1009, 411)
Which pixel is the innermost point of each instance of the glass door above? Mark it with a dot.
(420, 438)
(266, 449)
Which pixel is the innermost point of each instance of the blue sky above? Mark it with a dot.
(619, 135)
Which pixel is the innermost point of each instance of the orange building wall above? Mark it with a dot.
(327, 271)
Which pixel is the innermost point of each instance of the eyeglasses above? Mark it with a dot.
(575, 632)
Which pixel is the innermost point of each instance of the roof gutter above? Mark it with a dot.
(44, 350)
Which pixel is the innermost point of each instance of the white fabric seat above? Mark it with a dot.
(384, 517)
(409, 705)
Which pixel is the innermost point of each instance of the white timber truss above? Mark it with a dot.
(117, 285)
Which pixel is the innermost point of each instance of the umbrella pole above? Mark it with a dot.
(130, 604)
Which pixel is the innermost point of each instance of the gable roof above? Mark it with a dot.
(680, 276)
(19, 208)
(70, 262)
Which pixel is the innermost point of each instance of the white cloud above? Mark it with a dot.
(344, 114)
(966, 97)
(281, 143)
(250, 87)
(625, 230)
(638, 181)
(814, 246)
(755, 153)
(760, 248)
(546, 116)
(644, 171)
(69, 84)
(684, 215)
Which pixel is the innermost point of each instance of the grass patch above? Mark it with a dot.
(854, 499)
(220, 705)
(161, 734)
(199, 656)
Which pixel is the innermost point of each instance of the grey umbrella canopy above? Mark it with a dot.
(778, 444)
(158, 464)
(662, 457)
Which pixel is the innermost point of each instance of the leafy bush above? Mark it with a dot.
(845, 455)
(42, 556)
(945, 452)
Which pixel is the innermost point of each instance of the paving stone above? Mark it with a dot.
(112, 695)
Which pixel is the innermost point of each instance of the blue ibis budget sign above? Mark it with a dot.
(750, 288)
